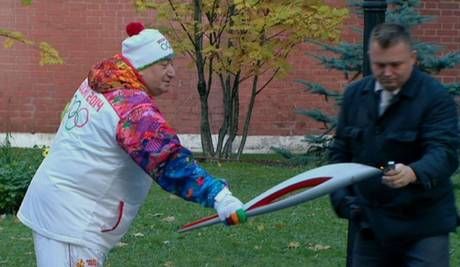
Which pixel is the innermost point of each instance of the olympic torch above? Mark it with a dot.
(319, 181)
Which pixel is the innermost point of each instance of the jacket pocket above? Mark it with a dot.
(401, 146)
(121, 207)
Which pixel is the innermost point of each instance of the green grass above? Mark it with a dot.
(305, 235)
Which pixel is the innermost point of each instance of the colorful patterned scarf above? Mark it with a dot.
(115, 73)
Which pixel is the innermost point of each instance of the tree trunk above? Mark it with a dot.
(234, 117)
(205, 127)
(247, 121)
(203, 88)
(226, 129)
(226, 101)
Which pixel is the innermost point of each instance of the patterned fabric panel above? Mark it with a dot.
(146, 136)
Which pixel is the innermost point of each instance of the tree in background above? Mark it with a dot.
(48, 55)
(237, 41)
(348, 57)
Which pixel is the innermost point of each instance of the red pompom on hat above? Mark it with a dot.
(134, 28)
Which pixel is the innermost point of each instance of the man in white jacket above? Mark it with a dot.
(111, 144)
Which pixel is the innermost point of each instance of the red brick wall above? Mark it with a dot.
(32, 96)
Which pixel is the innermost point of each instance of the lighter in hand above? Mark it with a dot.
(391, 165)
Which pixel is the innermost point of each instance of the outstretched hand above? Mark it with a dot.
(229, 208)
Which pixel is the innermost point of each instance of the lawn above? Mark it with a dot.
(305, 235)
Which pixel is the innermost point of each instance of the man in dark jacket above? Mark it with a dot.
(403, 115)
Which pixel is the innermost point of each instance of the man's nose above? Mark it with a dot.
(171, 71)
(387, 70)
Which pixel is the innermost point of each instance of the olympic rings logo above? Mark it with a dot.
(77, 116)
(165, 45)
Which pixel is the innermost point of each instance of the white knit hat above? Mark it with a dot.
(145, 47)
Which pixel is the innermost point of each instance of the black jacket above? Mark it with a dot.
(419, 129)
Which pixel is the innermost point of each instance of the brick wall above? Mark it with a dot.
(32, 96)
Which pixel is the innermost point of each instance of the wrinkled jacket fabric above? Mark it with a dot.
(418, 129)
(111, 144)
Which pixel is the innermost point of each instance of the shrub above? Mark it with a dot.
(17, 167)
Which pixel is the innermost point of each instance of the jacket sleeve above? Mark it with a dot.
(149, 140)
(339, 150)
(342, 200)
(439, 137)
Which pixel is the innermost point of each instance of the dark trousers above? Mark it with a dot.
(426, 252)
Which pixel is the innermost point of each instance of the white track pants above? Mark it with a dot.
(52, 253)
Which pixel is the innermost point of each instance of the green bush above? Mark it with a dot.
(17, 167)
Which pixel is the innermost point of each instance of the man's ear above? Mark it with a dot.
(413, 56)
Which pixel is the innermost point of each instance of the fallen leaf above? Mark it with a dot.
(280, 225)
(169, 264)
(138, 234)
(173, 197)
(260, 227)
(121, 244)
(169, 219)
(294, 245)
(318, 247)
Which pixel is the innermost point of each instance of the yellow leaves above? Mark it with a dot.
(142, 5)
(15, 36)
(176, 11)
(209, 50)
(26, 2)
(8, 43)
(324, 22)
(340, 12)
(241, 4)
(250, 37)
(323, 9)
(49, 55)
